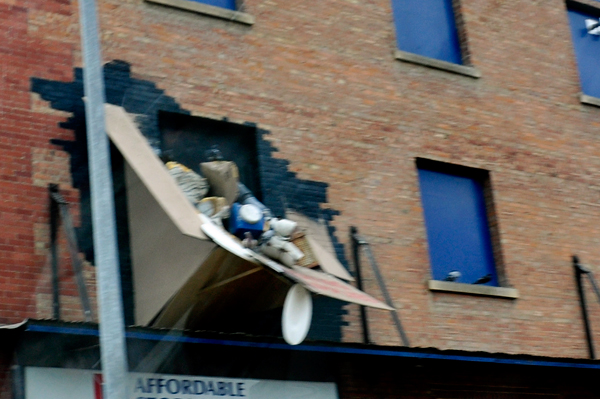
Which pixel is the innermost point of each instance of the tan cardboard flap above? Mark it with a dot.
(328, 262)
(219, 267)
(148, 167)
(163, 258)
(320, 244)
(324, 284)
(315, 281)
(166, 238)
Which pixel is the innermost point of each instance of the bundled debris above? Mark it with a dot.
(248, 219)
(219, 253)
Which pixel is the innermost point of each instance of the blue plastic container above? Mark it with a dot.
(239, 221)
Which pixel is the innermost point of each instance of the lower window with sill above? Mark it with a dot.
(227, 4)
(457, 207)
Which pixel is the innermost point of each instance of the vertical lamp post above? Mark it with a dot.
(112, 328)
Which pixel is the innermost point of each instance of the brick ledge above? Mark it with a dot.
(200, 8)
(437, 64)
(473, 289)
(589, 100)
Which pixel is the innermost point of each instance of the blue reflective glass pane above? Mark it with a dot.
(457, 226)
(428, 28)
(229, 4)
(587, 50)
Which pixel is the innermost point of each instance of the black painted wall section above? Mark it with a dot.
(281, 189)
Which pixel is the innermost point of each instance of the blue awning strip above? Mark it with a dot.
(322, 349)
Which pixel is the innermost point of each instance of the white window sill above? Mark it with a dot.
(589, 100)
(437, 64)
(473, 289)
(201, 8)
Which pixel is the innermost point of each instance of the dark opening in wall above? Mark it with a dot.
(186, 139)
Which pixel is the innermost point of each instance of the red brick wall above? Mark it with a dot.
(321, 77)
(29, 161)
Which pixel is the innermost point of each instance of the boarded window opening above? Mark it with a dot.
(460, 223)
(186, 139)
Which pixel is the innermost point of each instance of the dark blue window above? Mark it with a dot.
(428, 28)
(229, 4)
(587, 48)
(456, 221)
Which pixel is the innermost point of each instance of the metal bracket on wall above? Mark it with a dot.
(580, 271)
(59, 207)
(357, 242)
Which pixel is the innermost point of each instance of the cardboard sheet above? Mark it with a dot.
(218, 269)
(324, 284)
(314, 281)
(328, 262)
(151, 171)
(320, 243)
(166, 238)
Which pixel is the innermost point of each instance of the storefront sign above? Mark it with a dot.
(55, 383)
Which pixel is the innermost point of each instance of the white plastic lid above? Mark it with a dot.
(250, 213)
(297, 315)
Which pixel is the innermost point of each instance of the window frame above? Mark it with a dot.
(186, 138)
(482, 179)
(593, 12)
(464, 68)
(198, 7)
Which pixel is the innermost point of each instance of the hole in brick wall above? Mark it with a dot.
(279, 188)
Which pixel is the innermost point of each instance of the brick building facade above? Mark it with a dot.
(343, 113)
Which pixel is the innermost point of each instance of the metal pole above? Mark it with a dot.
(54, 253)
(112, 328)
(594, 285)
(363, 311)
(386, 295)
(67, 222)
(579, 270)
